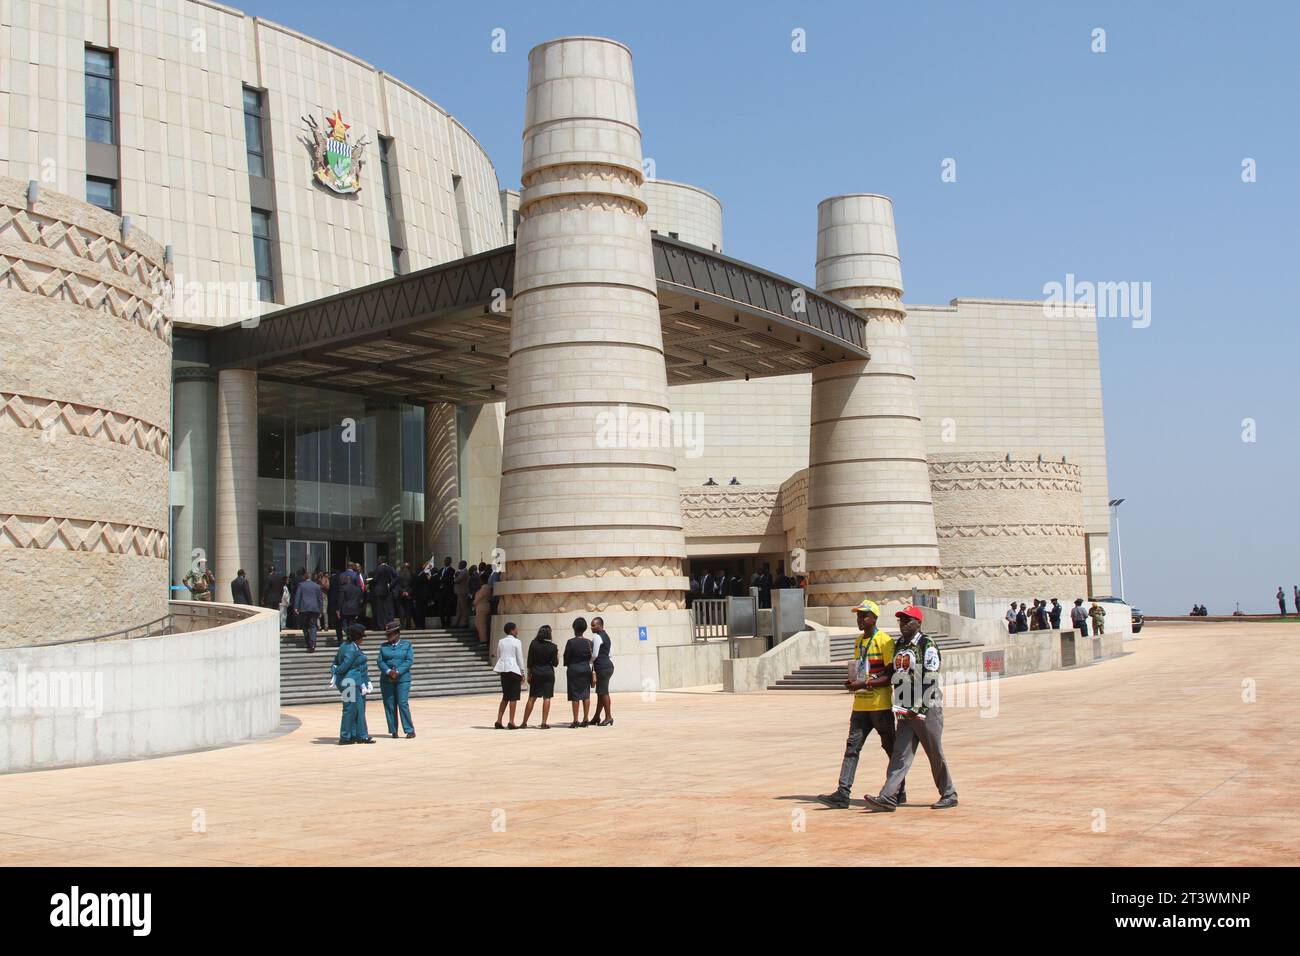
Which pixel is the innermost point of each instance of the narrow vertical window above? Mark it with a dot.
(262, 261)
(253, 134)
(100, 96)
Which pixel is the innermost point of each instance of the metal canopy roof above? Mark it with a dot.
(432, 336)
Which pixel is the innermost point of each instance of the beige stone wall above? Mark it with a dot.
(996, 376)
(689, 211)
(1010, 529)
(84, 420)
(182, 65)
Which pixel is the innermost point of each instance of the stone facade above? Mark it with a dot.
(1010, 529)
(682, 211)
(181, 69)
(870, 519)
(84, 418)
(587, 525)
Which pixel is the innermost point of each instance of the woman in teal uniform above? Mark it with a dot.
(395, 660)
(351, 675)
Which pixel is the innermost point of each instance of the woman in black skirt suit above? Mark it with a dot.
(603, 664)
(543, 658)
(577, 660)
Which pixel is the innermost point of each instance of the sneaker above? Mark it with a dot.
(367, 740)
(944, 804)
(836, 800)
(879, 805)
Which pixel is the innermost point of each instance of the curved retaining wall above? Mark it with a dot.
(68, 705)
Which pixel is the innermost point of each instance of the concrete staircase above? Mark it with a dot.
(831, 676)
(447, 663)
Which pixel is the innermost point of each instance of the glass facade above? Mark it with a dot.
(340, 477)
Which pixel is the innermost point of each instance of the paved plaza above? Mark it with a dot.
(1151, 758)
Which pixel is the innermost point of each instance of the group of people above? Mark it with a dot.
(1198, 610)
(1281, 599)
(588, 664)
(722, 582)
(350, 675)
(1045, 617)
(321, 600)
(896, 693)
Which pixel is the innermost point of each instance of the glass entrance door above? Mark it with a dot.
(312, 555)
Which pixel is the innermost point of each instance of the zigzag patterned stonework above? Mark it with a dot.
(849, 575)
(581, 203)
(1017, 571)
(595, 568)
(24, 269)
(1009, 530)
(74, 534)
(584, 602)
(587, 172)
(48, 415)
(1006, 484)
(986, 467)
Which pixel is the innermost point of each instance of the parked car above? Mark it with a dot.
(1136, 612)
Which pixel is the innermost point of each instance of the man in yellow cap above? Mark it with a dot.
(873, 660)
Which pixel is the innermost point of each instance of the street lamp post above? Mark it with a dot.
(1119, 544)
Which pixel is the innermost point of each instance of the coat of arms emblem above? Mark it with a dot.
(338, 162)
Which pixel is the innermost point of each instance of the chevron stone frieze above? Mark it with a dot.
(593, 602)
(53, 283)
(52, 418)
(48, 533)
(541, 569)
(1006, 484)
(602, 202)
(587, 172)
(95, 247)
(1009, 530)
(1017, 571)
(986, 467)
(849, 575)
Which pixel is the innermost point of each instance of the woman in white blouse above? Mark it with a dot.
(510, 665)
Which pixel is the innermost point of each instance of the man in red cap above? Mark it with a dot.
(920, 721)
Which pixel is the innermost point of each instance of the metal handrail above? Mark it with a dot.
(163, 625)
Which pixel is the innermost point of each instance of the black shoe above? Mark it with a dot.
(944, 804)
(544, 727)
(344, 742)
(498, 726)
(408, 736)
(585, 723)
(879, 805)
(836, 800)
(511, 727)
(393, 734)
(574, 725)
(902, 800)
(607, 722)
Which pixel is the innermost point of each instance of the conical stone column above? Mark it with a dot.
(590, 520)
(870, 517)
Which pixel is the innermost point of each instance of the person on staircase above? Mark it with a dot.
(873, 655)
(396, 658)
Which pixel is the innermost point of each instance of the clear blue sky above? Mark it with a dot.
(1118, 166)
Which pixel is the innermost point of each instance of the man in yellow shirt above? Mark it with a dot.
(873, 658)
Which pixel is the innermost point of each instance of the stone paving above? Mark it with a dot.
(1151, 758)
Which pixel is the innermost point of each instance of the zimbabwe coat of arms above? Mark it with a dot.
(338, 162)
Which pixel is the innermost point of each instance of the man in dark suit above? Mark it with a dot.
(309, 604)
(350, 599)
(272, 589)
(405, 581)
(240, 590)
(381, 594)
(332, 597)
(446, 591)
